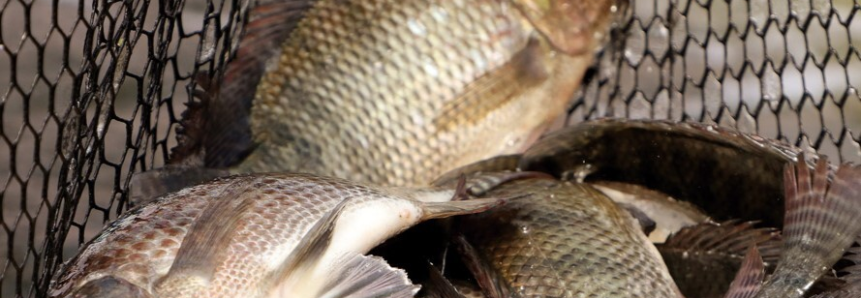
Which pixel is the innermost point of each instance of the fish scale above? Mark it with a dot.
(406, 90)
(124, 242)
(567, 240)
(258, 235)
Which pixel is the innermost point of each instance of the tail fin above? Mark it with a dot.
(820, 224)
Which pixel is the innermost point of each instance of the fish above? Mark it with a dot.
(566, 240)
(727, 174)
(666, 214)
(823, 210)
(259, 235)
(392, 92)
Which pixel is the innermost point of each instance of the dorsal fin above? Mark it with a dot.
(150, 185)
(704, 258)
(749, 278)
(730, 239)
(217, 130)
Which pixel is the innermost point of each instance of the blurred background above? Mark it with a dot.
(91, 92)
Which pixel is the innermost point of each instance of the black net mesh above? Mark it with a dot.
(91, 92)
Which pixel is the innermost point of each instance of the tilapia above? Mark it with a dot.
(393, 92)
(566, 240)
(728, 174)
(821, 223)
(258, 235)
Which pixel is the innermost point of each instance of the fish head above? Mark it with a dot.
(573, 27)
(108, 287)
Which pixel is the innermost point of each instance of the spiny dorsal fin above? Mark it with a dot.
(820, 224)
(729, 239)
(150, 185)
(204, 245)
(489, 280)
(749, 278)
(218, 128)
(368, 276)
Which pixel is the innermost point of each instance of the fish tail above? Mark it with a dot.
(821, 222)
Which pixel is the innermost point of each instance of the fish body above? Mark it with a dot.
(566, 240)
(397, 92)
(728, 174)
(249, 236)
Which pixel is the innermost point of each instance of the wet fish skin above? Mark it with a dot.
(398, 92)
(141, 247)
(732, 169)
(566, 240)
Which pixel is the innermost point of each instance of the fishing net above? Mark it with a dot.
(91, 92)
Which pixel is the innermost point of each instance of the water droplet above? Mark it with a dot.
(416, 27)
(438, 14)
(430, 68)
(636, 46)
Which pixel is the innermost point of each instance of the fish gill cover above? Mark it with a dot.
(92, 92)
